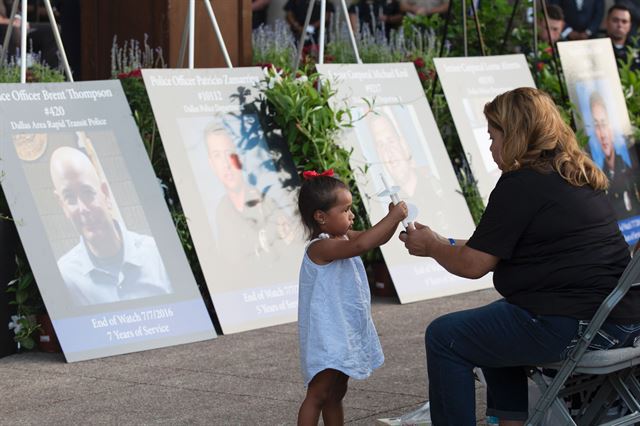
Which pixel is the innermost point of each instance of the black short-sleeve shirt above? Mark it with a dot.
(560, 249)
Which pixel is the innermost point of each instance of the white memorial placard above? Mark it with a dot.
(400, 140)
(93, 221)
(594, 88)
(468, 84)
(238, 188)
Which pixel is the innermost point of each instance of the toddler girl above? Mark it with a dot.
(337, 337)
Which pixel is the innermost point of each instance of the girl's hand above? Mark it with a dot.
(419, 242)
(398, 211)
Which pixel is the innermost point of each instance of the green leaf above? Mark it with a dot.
(27, 342)
(21, 297)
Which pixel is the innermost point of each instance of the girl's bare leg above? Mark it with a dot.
(332, 411)
(322, 391)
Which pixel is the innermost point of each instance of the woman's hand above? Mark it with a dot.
(459, 259)
(419, 241)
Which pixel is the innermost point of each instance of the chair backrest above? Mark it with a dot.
(629, 278)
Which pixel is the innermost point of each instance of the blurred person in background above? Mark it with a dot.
(373, 14)
(424, 7)
(296, 13)
(583, 17)
(259, 9)
(634, 8)
(618, 28)
(555, 16)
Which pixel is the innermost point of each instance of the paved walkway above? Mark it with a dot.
(250, 378)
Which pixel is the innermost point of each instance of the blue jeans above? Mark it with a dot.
(500, 338)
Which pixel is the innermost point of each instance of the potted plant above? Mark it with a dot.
(301, 108)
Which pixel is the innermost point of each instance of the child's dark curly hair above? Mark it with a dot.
(318, 193)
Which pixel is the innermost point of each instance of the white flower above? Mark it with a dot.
(15, 324)
(273, 75)
(277, 74)
(303, 78)
(275, 71)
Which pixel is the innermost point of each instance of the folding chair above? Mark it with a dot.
(599, 378)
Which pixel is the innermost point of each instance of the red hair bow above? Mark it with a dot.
(311, 174)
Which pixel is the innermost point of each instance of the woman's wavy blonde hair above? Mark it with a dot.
(535, 136)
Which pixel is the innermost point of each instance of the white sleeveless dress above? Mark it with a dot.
(334, 319)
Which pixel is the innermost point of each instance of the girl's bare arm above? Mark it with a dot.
(326, 251)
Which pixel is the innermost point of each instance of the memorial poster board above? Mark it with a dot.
(93, 221)
(399, 139)
(594, 88)
(468, 84)
(238, 187)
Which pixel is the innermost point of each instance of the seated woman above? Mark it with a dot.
(551, 239)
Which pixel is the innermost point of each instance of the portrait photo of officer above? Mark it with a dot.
(617, 161)
(109, 263)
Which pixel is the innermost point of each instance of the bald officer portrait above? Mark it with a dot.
(109, 263)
